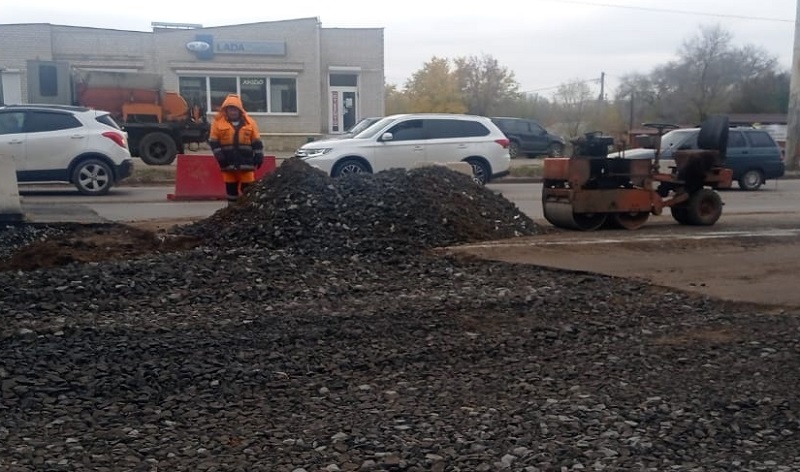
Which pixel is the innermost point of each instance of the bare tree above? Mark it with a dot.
(574, 99)
(484, 84)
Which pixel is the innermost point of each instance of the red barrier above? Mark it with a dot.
(198, 177)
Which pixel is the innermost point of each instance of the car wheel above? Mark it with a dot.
(350, 166)
(480, 171)
(556, 150)
(751, 180)
(704, 208)
(93, 177)
(157, 149)
(513, 150)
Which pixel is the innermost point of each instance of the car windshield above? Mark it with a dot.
(675, 138)
(374, 128)
(361, 126)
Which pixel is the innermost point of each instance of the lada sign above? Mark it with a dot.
(204, 47)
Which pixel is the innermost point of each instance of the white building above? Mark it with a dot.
(298, 79)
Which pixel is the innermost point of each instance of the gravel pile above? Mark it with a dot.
(303, 209)
(16, 236)
(279, 357)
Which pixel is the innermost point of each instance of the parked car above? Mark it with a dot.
(53, 143)
(529, 138)
(360, 126)
(753, 156)
(402, 141)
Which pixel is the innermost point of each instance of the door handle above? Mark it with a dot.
(76, 136)
(419, 148)
(16, 141)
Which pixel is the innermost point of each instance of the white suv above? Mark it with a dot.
(403, 141)
(54, 143)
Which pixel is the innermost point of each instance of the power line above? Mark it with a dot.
(587, 81)
(673, 11)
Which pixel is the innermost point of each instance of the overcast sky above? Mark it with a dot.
(544, 42)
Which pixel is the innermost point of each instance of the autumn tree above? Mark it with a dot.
(484, 84)
(434, 88)
(575, 99)
(395, 100)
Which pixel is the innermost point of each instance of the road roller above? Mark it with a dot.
(589, 191)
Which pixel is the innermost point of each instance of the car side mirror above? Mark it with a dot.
(387, 137)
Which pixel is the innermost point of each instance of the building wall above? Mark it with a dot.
(302, 59)
(21, 43)
(360, 48)
(310, 52)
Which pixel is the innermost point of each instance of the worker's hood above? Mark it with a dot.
(231, 101)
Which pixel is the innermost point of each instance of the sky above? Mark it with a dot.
(545, 43)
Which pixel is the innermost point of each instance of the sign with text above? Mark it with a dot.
(205, 47)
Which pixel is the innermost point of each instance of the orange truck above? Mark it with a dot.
(160, 124)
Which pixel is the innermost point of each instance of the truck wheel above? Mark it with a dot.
(93, 177)
(704, 208)
(680, 214)
(157, 149)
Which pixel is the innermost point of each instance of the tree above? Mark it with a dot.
(434, 88)
(704, 79)
(767, 93)
(484, 84)
(574, 97)
(396, 101)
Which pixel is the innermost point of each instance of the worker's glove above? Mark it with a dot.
(258, 159)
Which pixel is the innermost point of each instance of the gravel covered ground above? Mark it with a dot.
(258, 352)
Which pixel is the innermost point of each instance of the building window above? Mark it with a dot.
(258, 94)
(221, 87)
(283, 95)
(343, 80)
(254, 94)
(195, 91)
(48, 81)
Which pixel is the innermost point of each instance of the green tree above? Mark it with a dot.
(767, 93)
(484, 84)
(434, 88)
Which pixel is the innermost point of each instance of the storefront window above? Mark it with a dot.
(220, 88)
(254, 94)
(193, 90)
(259, 94)
(283, 95)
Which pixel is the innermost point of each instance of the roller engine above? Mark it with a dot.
(589, 190)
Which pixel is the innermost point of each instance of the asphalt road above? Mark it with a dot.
(775, 205)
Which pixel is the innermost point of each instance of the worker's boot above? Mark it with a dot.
(232, 192)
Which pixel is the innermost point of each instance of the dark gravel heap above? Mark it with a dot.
(240, 357)
(303, 209)
(16, 236)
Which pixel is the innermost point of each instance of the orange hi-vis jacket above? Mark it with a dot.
(239, 146)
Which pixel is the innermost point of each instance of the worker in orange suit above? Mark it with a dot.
(237, 146)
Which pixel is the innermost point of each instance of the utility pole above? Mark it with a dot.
(603, 84)
(793, 122)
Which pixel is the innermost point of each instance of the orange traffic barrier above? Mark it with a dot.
(198, 177)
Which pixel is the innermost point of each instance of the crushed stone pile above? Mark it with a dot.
(301, 208)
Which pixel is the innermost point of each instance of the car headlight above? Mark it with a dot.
(309, 153)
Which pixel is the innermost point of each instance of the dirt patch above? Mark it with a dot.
(95, 244)
(753, 269)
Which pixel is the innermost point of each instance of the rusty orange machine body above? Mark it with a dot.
(589, 190)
